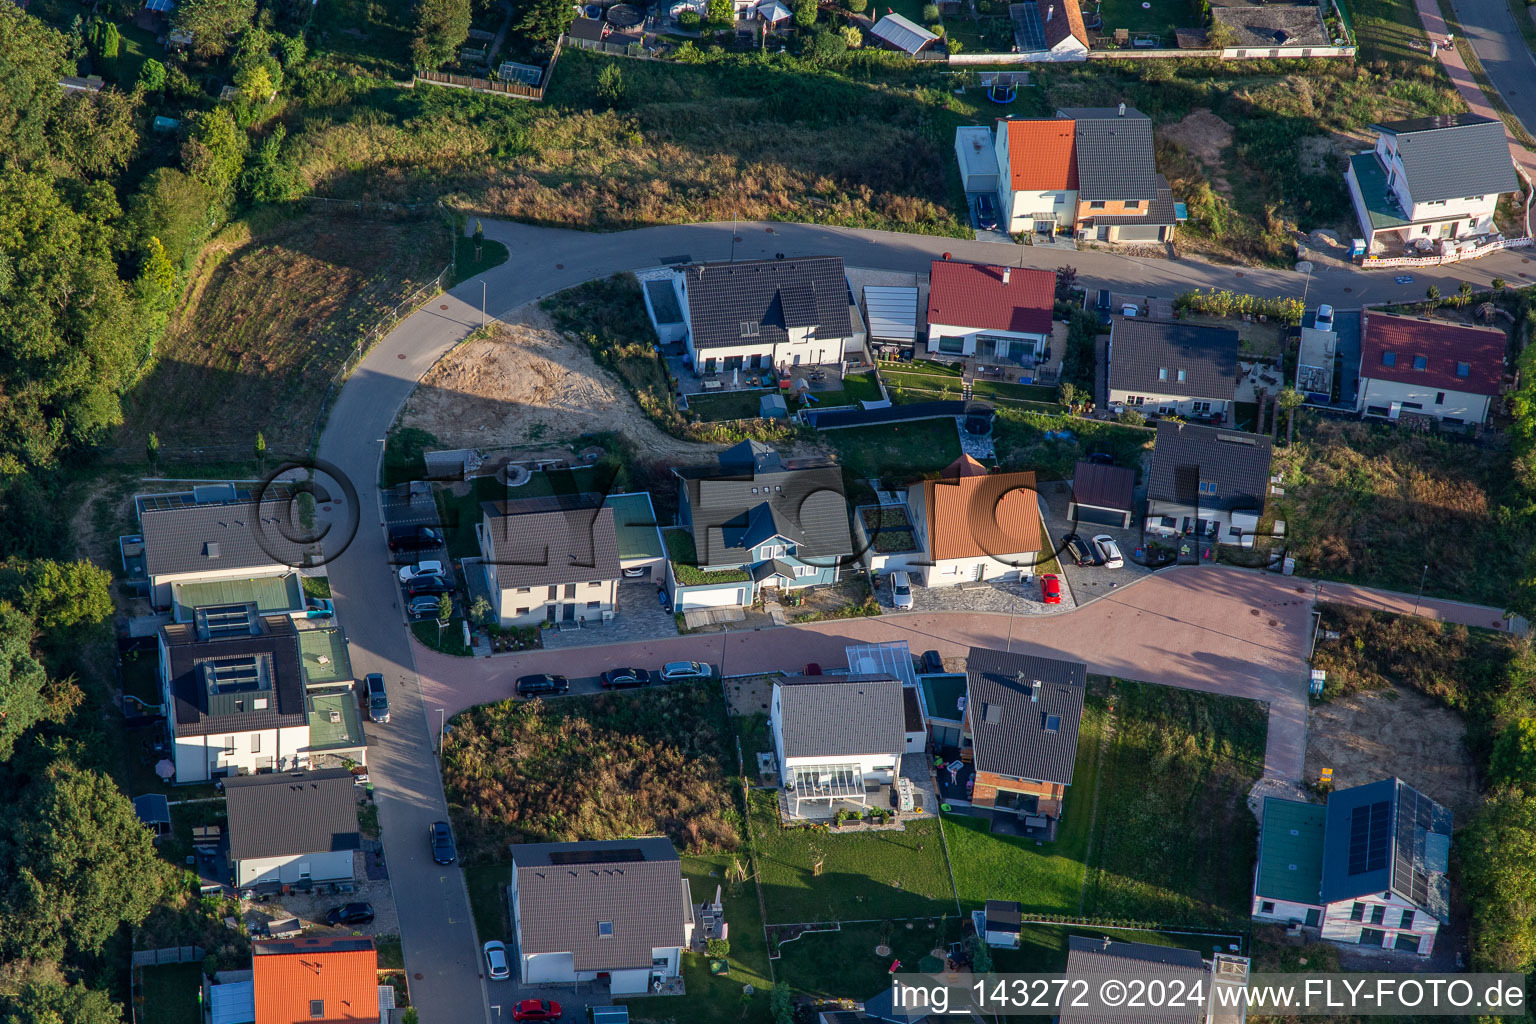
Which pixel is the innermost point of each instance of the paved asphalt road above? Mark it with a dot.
(1490, 28)
(1247, 639)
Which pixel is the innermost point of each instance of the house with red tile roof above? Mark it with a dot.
(1037, 164)
(1000, 314)
(1412, 364)
(974, 525)
(315, 981)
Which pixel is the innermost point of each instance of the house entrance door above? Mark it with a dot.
(568, 613)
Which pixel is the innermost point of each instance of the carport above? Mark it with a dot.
(1102, 495)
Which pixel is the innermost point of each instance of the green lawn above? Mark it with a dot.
(728, 405)
(897, 452)
(864, 875)
(449, 640)
(923, 385)
(373, 33)
(861, 387)
(1043, 948)
(1384, 28)
(843, 963)
(1046, 879)
(1176, 843)
(465, 266)
(1163, 17)
(487, 883)
(171, 993)
(1021, 440)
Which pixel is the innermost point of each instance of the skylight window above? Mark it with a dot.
(1389, 359)
(1463, 369)
(605, 929)
(1420, 362)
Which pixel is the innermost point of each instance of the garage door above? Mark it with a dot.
(1101, 516)
(1137, 233)
(731, 598)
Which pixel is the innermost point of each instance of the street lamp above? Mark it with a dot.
(442, 729)
(1422, 578)
(1305, 267)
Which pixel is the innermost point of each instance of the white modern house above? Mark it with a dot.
(551, 559)
(1431, 182)
(1207, 481)
(1037, 160)
(972, 525)
(618, 908)
(1415, 365)
(1170, 367)
(293, 827)
(835, 736)
(998, 314)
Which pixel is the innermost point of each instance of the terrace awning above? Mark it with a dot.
(825, 782)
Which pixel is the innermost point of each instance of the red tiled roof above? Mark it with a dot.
(340, 974)
(1442, 344)
(1042, 155)
(977, 295)
(1069, 24)
(973, 514)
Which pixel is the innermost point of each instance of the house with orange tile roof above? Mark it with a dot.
(316, 981)
(1037, 170)
(972, 525)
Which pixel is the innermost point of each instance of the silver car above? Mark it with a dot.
(677, 671)
(496, 965)
(901, 590)
(1109, 551)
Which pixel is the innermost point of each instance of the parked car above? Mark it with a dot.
(414, 538)
(420, 570)
(378, 700)
(423, 606)
(496, 965)
(1109, 551)
(932, 663)
(1078, 548)
(901, 590)
(1324, 318)
(1128, 309)
(636, 572)
(1104, 306)
(1050, 589)
(620, 678)
(677, 671)
(531, 686)
(1101, 458)
(433, 585)
(536, 1009)
(986, 213)
(350, 913)
(440, 836)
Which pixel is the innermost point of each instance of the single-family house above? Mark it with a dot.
(1207, 481)
(293, 827)
(1102, 495)
(1172, 368)
(1411, 364)
(1037, 161)
(1431, 182)
(1120, 195)
(221, 552)
(757, 520)
(1368, 869)
(836, 738)
(893, 658)
(1021, 719)
(618, 908)
(317, 980)
(550, 559)
(1093, 961)
(759, 314)
(253, 693)
(973, 525)
(1049, 30)
(896, 32)
(997, 314)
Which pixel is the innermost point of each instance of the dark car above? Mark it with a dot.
(529, 686)
(1103, 307)
(441, 838)
(350, 913)
(1080, 550)
(619, 678)
(986, 213)
(1101, 458)
(378, 699)
(414, 538)
(932, 663)
(428, 586)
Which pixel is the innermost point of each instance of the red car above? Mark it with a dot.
(536, 1009)
(1050, 589)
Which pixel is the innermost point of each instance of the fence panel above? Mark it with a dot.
(167, 955)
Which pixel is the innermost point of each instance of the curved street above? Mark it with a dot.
(1248, 636)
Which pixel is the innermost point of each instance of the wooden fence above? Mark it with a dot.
(522, 90)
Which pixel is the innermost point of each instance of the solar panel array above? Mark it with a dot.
(1370, 834)
(1414, 820)
(1028, 29)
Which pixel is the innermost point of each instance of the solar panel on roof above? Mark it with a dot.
(1369, 837)
(1028, 27)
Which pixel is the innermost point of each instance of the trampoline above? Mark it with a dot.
(1003, 86)
(625, 16)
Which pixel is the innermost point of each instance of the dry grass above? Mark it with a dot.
(273, 311)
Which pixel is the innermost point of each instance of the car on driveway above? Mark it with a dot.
(1050, 589)
(414, 538)
(441, 838)
(1324, 319)
(1079, 549)
(1109, 551)
(420, 570)
(378, 699)
(933, 663)
(497, 968)
(423, 606)
(536, 1009)
(620, 678)
(428, 585)
(350, 913)
(1104, 307)
(901, 590)
(679, 671)
(986, 213)
(532, 686)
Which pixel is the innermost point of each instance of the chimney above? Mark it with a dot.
(1050, 12)
(1122, 109)
(1006, 272)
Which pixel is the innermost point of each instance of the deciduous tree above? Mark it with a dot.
(443, 25)
(46, 998)
(95, 132)
(805, 13)
(36, 56)
(214, 151)
(23, 682)
(213, 22)
(1497, 851)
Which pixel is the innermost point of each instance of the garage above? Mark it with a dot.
(1098, 516)
(728, 597)
(1102, 495)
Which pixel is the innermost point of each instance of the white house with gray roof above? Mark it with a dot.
(619, 908)
(292, 827)
(836, 736)
(1434, 178)
(1172, 368)
(551, 559)
(1207, 481)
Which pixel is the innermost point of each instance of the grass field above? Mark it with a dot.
(275, 308)
(487, 882)
(728, 405)
(844, 963)
(1160, 20)
(374, 34)
(1022, 442)
(898, 452)
(1384, 28)
(171, 993)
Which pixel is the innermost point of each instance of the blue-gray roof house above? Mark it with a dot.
(1374, 874)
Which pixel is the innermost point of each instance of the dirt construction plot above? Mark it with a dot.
(1206, 137)
(1376, 734)
(525, 383)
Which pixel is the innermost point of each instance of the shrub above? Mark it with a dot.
(856, 6)
(719, 947)
(1132, 418)
(930, 13)
(689, 20)
(152, 75)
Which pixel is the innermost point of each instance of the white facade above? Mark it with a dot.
(293, 868)
(533, 605)
(1286, 912)
(873, 769)
(804, 346)
(1451, 218)
(1029, 210)
(1167, 405)
(1390, 398)
(951, 572)
(201, 758)
(955, 340)
(1343, 922)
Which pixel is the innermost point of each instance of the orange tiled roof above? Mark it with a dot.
(340, 973)
(1042, 155)
(972, 513)
(1070, 24)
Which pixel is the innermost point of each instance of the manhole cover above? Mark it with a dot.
(1349, 289)
(559, 266)
(442, 307)
(1253, 611)
(416, 976)
(1272, 622)
(400, 356)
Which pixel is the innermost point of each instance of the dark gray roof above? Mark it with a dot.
(537, 542)
(840, 716)
(1114, 154)
(1148, 355)
(152, 808)
(1187, 454)
(217, 538)
(741, 507)
(1160, 213)
(1103, 486)
(1008, 713)
(564, 890)
(773, 294)
(1387, 836)
(1453, 156)
(1096, 961)
(291, 813)
(201, 707)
